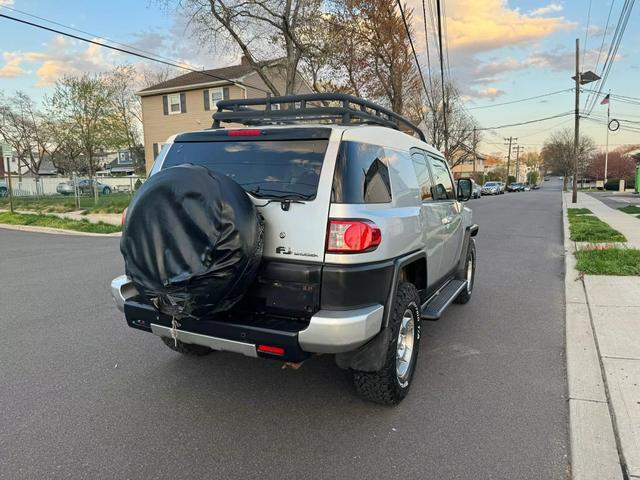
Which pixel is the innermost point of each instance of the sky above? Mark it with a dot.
(499, 51)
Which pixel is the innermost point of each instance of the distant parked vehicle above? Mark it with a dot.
(527, 187)
(4, 191)
(503, 187)
(515, 187)
(85, 187)
(491, 188)
(535, 186)
(615, 184)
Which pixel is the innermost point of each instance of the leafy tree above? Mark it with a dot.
(84, 105)
(533, 176)
(619, 165)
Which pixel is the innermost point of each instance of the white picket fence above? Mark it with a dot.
(28, 186)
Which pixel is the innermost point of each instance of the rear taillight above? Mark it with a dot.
(352, 236)
(244, 133)
(124, 217)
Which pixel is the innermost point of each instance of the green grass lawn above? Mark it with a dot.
(114, 203)
(57, 222)
(631, 209)
(587, 228)
(578, 211)
(610, 261)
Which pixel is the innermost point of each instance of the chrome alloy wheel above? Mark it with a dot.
(404, 352)
(470, 273)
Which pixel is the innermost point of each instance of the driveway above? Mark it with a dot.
(84, 396)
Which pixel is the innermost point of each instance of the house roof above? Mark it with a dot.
(235, 72)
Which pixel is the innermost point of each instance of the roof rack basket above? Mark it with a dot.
(320, 107)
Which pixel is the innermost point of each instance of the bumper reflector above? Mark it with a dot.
(270, 349)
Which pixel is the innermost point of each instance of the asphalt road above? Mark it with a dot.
(84, 396)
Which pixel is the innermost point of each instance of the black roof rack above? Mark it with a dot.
(323, 107)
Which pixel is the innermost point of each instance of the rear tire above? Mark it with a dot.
(469, 275)
(389, 385)
(186, 348)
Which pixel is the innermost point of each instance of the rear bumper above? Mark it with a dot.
(327, 331)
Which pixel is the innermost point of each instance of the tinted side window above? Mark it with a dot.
(361, 174)
(424, 176)
(443, 185)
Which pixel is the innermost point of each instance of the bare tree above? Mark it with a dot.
(123, 85)
(24, 128)
(558, 153)
(272, 34)
(462, 142)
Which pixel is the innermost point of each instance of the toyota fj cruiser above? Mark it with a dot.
(363, 236)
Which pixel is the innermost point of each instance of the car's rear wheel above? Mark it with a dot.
(390, 384)
(469, 274)
(186, 348)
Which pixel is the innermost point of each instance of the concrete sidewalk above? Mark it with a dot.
(603, 359)
(626, 224)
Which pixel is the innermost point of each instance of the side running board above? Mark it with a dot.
(436, 305)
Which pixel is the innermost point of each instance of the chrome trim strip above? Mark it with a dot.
(214, 343)
(341, 331)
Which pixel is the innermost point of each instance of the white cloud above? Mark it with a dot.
(551, 8)
(6, 3)
(12, 67)
(491, 93)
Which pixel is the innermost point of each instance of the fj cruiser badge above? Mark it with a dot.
(283, 250)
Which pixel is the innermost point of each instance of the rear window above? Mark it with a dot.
(362, 174)
(269, 169)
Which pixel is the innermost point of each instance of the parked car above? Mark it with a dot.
(356, 286)
(515, 187)
(4, 191)
(85, 187)
(527, 187)
(491, 188)
(535, 186)
(503, 187)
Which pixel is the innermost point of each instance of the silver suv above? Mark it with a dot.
(365, 236)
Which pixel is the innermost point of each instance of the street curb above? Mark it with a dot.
(57, 231)
(593, 447)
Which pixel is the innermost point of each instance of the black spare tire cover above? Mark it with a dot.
(192, 241)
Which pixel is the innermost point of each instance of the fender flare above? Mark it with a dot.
(370, 356)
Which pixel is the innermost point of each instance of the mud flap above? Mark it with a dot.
(368, 358)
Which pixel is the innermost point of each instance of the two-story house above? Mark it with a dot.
(187, 102)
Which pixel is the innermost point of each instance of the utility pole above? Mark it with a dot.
(576, 138)
(606, 151)
(9, 186)
(518, 148)
(443, 86)
(475, 154)
(510, 140)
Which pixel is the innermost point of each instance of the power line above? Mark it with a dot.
(129, 52)
(586, 35)
(604, 36)
(521, 100)
(615, 44)
(415, 56)
(426, 41)
(106, 39)
(525, 122)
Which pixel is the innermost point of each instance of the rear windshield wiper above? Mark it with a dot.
(278, 194)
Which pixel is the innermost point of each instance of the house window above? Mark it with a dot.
(174, 103)
(215, 94)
